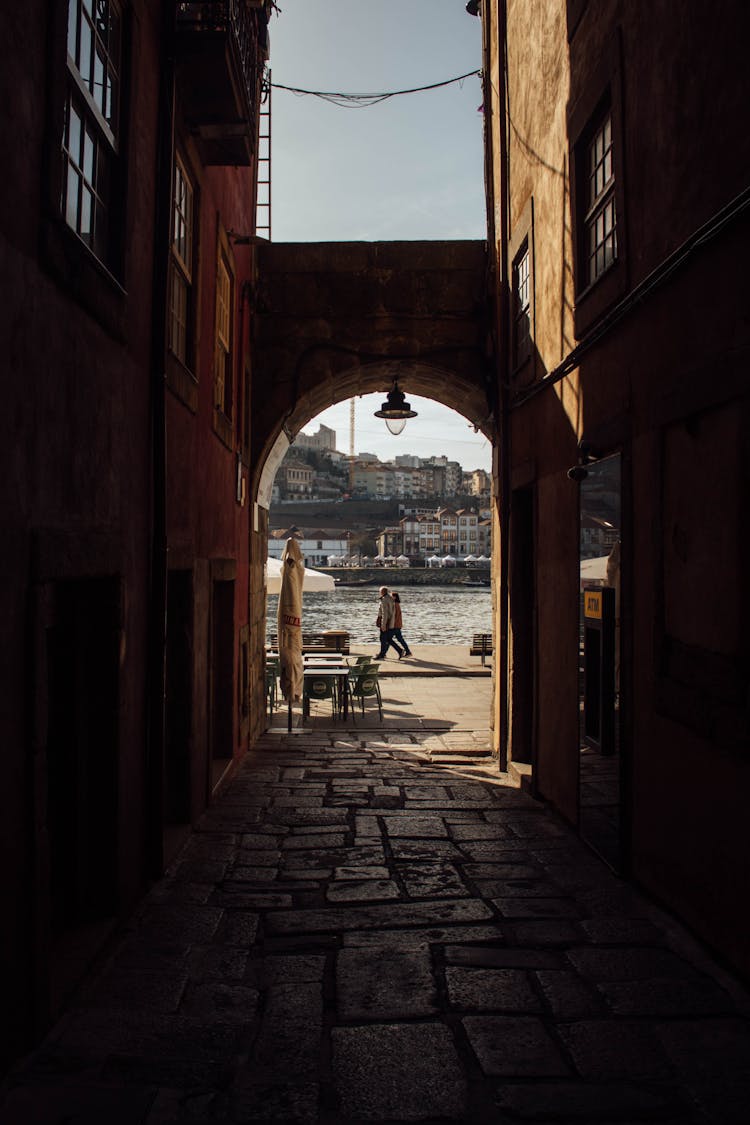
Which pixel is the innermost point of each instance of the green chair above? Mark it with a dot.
(272, 674)
(317, 688)
(363, 684)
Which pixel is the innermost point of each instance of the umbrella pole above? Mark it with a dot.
(289, 715)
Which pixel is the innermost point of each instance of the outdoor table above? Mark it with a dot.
(326, 670)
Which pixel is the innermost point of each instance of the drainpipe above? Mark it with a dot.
(157, 639)
(503, 373)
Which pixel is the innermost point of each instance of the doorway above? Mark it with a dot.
(179, 699)
(600, 776)
(222, 676)
(523, 626)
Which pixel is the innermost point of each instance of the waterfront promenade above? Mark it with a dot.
(373, 925)
(440, 689)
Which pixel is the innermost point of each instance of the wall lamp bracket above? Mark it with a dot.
(587, 455)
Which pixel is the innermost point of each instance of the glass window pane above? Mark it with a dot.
(109, 100)
(102, 19)
(72, 28)
(88, 157)
(87, 215)
(84, 60)
(74, 135)
(99, 91)
(71, 198)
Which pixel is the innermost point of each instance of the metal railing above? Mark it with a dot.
(238, 19)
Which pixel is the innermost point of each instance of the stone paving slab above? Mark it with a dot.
(358, 932)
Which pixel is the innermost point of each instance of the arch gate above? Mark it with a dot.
(333, 321)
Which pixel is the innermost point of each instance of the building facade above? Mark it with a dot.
(615, 204)
(316, 544)
(296, 480)
(390, 542)
(322, 441)
(127, 406)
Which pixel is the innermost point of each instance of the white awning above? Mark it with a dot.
(314, 581)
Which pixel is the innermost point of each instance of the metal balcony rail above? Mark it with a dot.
(236, 18)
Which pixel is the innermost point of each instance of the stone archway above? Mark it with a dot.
(333, 321)
(336, 320)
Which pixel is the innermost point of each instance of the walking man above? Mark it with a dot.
(387, 622)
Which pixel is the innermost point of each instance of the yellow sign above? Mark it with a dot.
(592, 605)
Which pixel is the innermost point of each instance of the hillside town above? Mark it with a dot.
(314, 469)
(396, 511)
(415, 511)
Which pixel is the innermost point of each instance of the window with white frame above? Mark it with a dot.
(91, 127)
(181, 280)
(600, 220)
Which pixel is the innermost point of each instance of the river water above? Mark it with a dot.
(432, 614)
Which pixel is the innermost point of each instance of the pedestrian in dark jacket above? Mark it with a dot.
(397, 634)
(386, 622)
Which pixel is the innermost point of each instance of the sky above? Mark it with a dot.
(408, 168)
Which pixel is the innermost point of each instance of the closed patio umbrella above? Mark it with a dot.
(289, 625)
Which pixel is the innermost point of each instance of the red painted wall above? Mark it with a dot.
(75, 448)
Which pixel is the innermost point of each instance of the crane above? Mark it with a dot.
(351, 446)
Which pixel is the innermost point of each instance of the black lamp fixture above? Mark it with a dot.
(586, 455)
(473, 7)
(395, 410)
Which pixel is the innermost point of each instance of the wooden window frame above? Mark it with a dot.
(599, 220)
(523, 365)
(181, 335)
(224, 342)
(600, 96)
(182, 374)
(91, 144)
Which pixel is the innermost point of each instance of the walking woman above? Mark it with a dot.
(397, 634)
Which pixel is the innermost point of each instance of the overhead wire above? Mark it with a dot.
(364, 101)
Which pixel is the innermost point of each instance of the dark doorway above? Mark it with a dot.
(600, 789)
(179, 702)
(523, 625)
(82, 752)
(222, 678)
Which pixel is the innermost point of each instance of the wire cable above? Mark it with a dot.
(364, 101)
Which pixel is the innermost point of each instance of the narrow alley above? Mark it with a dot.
(373, 924)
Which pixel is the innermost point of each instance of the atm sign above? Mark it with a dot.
(592, 605)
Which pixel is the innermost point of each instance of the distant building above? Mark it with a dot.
(467, 532)
(390, 541)
(477, 483)
(296, 480)
(598, 536)
(448, 531)
(324, 441)
(316, 543)
(484, 537)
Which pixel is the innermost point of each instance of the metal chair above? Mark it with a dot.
(316, 688)
(363, 684)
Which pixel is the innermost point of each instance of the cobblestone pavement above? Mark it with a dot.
(376, 927)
